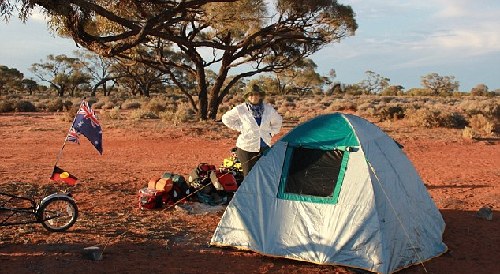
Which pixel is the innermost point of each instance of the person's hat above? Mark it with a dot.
(254, 89)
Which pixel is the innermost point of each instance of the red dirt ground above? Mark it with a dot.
(461, 176)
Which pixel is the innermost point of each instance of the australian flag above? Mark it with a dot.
(86, 123)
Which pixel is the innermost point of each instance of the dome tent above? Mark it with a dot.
(335, 190)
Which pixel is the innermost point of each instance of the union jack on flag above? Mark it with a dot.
(86, 123)
(73, 136)
(88, 113)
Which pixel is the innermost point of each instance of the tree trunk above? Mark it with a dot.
(202, 93)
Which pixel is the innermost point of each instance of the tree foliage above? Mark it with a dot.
(439, 85)
(99, 68)
(189, 37)
(63, 73)
(10, 79)
(300, 78)
(30, 85)
(374, 82)
(479, 90)
(136, 77)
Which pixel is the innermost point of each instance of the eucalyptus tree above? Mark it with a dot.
(10, 79)
(137, 78)
(300, 78)
(99, 68)
(439, 84)
(237, 39)
(30, 85)
(63, 73)
(374, 83)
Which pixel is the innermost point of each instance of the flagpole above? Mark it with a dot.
(59, 155)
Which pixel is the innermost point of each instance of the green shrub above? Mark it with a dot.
(55, 105)
(391, 112)
(6, 105)
(452, 120)
(25, 106)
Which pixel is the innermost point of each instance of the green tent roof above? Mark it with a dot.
(325, 132)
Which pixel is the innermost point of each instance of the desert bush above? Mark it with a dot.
(431, 118)
(389, 112)
(6, 105)
(98, 105)
(131, 105)
(290, 115)
(25, 106)
(271, 100)
(340, 105)
(291, 98)
(113, 114)
(68, 105)
(41, 105)
(155, 105)
(423, 117)
(483, 125)
(68, 116)
(108, 105)
(92, 101)
(282, 109)
(489, 107)
(183, 114)
(452, 120)
(223, 109)
(55, 105)
(139, 114)
(468, 133)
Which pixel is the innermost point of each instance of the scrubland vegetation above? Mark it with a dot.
(478, 116)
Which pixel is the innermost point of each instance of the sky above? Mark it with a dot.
(401, 40)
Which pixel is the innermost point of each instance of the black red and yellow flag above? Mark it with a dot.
(60, 175)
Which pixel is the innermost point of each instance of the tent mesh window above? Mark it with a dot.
(314, 172)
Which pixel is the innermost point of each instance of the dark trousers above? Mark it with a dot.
(248, 159)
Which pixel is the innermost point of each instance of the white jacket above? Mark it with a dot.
(240, 118)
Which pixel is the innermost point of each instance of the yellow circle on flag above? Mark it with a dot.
(64, 175)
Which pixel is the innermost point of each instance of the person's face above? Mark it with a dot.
(254, 98)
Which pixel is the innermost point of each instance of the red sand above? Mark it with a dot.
(461, 176)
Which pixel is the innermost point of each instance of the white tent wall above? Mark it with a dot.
(346, 233)
(411, 224)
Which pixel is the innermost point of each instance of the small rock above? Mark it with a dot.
(485, 213)
(93, 253)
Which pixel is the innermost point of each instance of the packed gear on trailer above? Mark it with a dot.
(166, 190)
(217, 185)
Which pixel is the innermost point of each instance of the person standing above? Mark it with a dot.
(256, 122)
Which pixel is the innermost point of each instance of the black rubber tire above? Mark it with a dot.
(69, 220)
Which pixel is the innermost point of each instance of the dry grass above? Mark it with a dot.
(480, 114)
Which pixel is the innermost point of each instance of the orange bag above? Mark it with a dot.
(161, 184)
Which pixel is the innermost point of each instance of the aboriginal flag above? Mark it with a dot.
(60, 175)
